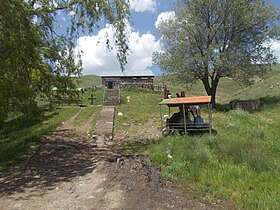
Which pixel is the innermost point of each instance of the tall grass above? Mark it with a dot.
(240, 163)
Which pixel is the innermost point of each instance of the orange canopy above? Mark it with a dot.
(186, 100)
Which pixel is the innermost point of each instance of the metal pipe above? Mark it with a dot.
(161, 120)
(210, 117)
(184, 113)
(168, 111)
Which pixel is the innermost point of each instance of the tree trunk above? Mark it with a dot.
(211, 89)
(213, 99)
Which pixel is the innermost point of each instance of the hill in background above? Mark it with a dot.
(266, 86)
(87, 81)
(228, 89)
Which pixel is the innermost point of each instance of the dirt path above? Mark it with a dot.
(69, 171)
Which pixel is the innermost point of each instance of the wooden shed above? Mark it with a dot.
(127, 79)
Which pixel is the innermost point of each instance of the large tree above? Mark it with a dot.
(35, 55)
(211, 39)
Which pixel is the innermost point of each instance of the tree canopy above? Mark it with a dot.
(211, 39)
(34, 57)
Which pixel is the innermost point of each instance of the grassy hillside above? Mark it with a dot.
(269, 85)
(225, 89)
(87, 81)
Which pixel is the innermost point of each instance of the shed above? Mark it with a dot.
(127, 79)
(184, 104)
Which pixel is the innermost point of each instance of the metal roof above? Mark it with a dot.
(186, 100)
(127, 73)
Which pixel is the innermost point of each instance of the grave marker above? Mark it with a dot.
(91, 99)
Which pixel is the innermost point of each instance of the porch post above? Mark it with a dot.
(184, 113)
(161, 120)
(210, 117)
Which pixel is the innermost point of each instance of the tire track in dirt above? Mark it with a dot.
(69, 171)
(87, 126)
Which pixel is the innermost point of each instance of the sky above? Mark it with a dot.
(143, 39)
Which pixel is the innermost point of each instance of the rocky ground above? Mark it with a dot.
(69, 170)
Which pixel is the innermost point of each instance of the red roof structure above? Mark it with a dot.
(195, 100)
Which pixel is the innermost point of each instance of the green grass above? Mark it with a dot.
(176, 87)
(240, 163)
(98, 94)
(85, 114)
(143, 104)
(97, 110)
(228, 89)
(19, 134)
(269, 86)
(87, 81)
(82, 118)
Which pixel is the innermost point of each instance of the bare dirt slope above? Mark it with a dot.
(69, 171)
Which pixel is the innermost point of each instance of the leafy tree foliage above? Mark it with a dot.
(211, 39)
(34, 57)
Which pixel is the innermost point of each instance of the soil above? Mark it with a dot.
(71, 171)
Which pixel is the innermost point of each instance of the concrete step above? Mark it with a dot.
(111, 104)
(112, 97)
(105, 123)
(108, 95)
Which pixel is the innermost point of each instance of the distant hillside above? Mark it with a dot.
(87, 81)
(226, 87)
(268, 85)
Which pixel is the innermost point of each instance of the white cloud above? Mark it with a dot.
(164, 17)
(143, 5)
(275, 46)
(97, 59)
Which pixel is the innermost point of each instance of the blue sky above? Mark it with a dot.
(143, 36)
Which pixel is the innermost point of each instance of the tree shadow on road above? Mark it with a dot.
(61, 156)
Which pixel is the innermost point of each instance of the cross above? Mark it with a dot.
(91, 99)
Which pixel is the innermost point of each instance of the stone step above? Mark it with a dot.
(112, 97)
(105, 123)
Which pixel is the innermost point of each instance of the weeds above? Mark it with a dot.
(241, 162)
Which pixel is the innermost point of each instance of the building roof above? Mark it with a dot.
(128, 73)
(186, 100)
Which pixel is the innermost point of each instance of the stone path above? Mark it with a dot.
(105, 123)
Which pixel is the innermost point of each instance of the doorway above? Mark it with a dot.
(110, 85)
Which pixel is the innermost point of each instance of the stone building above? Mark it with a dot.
(127, 79)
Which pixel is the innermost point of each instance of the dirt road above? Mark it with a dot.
(69, 171)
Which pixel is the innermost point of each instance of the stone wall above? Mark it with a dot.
(246, 105)
(128, 82)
